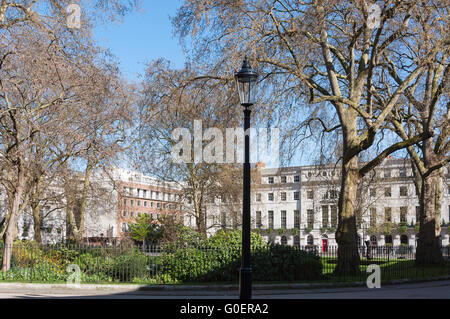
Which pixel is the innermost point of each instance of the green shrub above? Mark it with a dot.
(284, 263)
(126, 267)
(219, 260)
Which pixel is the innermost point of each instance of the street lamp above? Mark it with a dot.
(245, 82)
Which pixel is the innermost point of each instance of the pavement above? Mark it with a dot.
(439, 289)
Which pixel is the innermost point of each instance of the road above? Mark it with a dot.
(426, 290)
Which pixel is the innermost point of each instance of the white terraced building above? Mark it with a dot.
(298, 206)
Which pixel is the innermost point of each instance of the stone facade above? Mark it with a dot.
(298, 205)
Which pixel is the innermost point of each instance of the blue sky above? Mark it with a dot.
(142, 37)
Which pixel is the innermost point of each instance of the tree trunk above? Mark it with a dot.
(35, 207)
(348, 256)
(428, 246)
(200, 215)
(76, 208)
(11, 228)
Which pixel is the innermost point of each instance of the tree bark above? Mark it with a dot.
(11, 228)
(428, 246)
(35, 207)
(348, 256)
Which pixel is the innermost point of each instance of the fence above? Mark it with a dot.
(169, 265)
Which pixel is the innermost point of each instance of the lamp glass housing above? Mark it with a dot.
(245, 82)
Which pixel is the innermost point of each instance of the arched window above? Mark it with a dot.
(296, 240)
(404, 239)
(388, 239)
(283, 240)
(310, 240)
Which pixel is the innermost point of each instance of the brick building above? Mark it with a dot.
(141, 195)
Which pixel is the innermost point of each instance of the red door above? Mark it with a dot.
(324, 245)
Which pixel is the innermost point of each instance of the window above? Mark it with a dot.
(373, 240)
(388, 214)
(270, 213)
(388, 239)
(258, 197)
(296, 219)
(283, 196)
(125, 202)
(325, 216)
(324, 173)
(387, 173)
(131, 214)
(403, 191)
(144, 193)
(403, 213)
(270, 197)
(310, 240)
(132, 202)
(402, 172)
(333, 194)
(373, 217)
(283, 240)
(139, 203)
(373, 192)
(283, 179)
(270, 180)
(387, 192)
(151, 204)
(404, 240)
(124, 214)
(309, 174)
(333, 213)
(283, 219)
(296, 195)
(145, 204)
(158, 205)
(258, 219)
(296, 240)
(310, 194)
(310, 218)
(297, 178)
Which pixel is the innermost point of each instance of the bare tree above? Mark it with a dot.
(428, 110)
(333, 52)
(172, 100)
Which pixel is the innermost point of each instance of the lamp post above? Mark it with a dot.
(245, 82)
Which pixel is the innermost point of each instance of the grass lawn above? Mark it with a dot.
(391, 269)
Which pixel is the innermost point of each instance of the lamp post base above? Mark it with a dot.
(245, 280)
